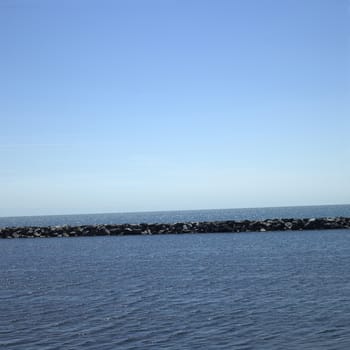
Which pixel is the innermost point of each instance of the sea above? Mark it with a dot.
(270, 290)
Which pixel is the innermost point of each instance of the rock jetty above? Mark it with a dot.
(177, 228)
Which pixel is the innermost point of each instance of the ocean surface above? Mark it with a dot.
(271, 290)
(179, 216)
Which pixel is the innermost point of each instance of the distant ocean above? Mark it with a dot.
(242, 291)
(179, 216)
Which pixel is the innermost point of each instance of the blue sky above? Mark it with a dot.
(133, 105)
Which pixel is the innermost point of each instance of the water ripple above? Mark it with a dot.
(174, 292)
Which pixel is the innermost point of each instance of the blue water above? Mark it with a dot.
(273, 290)
(180, 216)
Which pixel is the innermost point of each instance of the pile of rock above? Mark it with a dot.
(177, 228)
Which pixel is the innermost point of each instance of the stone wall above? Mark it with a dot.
(177, 228)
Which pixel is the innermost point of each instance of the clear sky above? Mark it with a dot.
(132, 105)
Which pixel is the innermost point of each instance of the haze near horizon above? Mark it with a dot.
(124, 106)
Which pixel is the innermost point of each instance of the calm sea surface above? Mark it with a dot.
(273, 290)
(179, 216)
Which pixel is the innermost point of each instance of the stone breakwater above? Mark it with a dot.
(177, 228)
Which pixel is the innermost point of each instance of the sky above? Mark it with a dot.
(141, 105)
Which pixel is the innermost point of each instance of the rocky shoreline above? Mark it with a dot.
(177, 228)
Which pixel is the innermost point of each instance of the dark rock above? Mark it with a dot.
(177, 228)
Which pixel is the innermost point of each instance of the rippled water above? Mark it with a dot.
(287, 290)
